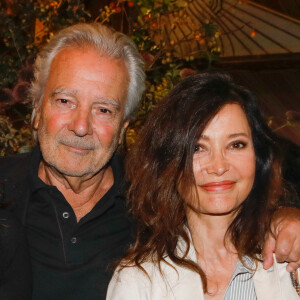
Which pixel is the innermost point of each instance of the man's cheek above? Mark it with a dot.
(105, 133)
(55, 123)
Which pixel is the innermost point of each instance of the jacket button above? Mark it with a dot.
(73, 240)
(66, 215)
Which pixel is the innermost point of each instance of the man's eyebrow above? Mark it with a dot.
(97, 100)
(64, 91)
(108, 101)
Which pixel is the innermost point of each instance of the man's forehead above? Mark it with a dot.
(67, 52)
(84, 73)
(80, 58)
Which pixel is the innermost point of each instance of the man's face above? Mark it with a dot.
(80, 122)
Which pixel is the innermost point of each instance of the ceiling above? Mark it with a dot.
(288, 7)
(246, 28)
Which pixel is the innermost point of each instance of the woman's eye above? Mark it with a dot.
(198, 148)
(238, 145)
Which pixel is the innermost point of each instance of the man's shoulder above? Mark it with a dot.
(14, 164)
(14, 184)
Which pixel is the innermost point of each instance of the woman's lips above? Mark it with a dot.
(218, 185)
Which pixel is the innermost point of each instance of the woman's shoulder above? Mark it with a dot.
(129, 282)
(137, 275)
(154, 281)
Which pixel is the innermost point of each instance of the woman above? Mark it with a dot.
(205, 181)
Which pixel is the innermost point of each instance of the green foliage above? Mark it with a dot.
(24, 27)
(16, 34)
(58, 15)
(18, 37)
(28, 24)
(15, 132)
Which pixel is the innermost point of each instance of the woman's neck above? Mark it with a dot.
(215, 255)
(208, 232)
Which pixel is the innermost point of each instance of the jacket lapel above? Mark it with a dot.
(274, 283)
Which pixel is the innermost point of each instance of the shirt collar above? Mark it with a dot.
(35, 182)
(247, 266)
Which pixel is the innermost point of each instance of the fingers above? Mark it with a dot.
(285, 248)
(286, 229)
(268, 250)
(288, 243)
(292, 266)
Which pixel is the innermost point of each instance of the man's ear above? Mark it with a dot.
(37, 118)
(122, 133)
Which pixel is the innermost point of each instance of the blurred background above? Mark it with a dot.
(258, 42)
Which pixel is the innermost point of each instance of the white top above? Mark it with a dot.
(133, 284)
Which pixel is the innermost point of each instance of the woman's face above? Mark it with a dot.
(224, 162)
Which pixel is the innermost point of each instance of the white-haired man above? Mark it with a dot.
(68, 191)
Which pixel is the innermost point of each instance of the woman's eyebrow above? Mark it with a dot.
(238, 134)
(204, 137)
(232, 135)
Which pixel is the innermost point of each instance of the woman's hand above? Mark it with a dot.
(284, 239)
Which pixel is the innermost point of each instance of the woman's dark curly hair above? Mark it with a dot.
(162, 159)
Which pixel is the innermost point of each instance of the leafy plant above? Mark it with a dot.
(28, 24)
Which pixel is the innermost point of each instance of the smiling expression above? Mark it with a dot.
(80, 122)
(224, 162)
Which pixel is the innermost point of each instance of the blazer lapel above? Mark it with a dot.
(274, 283)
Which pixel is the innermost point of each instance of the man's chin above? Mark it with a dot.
(79, 170)
(73, 173)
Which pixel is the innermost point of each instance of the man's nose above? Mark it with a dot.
(218, 164)
(81, 122)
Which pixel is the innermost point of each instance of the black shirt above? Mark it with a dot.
(71, 260)
(15, 270)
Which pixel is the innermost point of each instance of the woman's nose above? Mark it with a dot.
(218, 165)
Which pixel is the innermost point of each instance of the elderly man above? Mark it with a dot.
(68, 192)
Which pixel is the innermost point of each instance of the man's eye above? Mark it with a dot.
(104, 110)
(63, 101)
